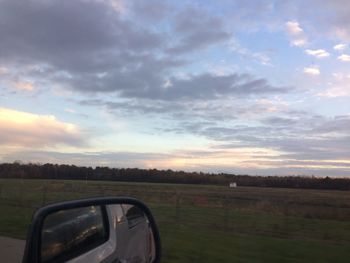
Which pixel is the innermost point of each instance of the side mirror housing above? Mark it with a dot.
(103, 229)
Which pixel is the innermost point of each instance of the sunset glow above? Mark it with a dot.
(212, 86)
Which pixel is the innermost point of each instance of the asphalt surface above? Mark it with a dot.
(11, 250)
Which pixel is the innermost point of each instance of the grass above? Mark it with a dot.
(209, 223)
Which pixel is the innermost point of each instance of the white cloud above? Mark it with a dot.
(313, 70)
(23, 129)
(335, 92)
(299, 42)
(340, 47)
(339, 87)
(319, 53)
(260, 57)
(293, 28)
(296, 33)
(344, 58)
(341, 76)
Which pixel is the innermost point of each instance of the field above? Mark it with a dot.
(209, 223)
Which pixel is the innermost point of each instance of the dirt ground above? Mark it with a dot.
(11, 250)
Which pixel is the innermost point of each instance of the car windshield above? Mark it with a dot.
(230, 119)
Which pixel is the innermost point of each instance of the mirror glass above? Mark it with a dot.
(108, 233)
(69, 233)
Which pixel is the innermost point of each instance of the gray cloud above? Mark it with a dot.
(196, 30)
(147, 82)
(181, 112)
(63, 32)
(151, 10)
(87, 46)
(207, 86)
(336, 20)
(310, 138)
(111, 159)
(280, 121)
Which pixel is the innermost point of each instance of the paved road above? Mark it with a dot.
(11, 250)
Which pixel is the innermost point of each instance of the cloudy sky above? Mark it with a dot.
(256, 87)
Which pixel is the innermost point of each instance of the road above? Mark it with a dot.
(11, 250)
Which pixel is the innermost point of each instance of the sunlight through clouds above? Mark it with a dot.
(256, 86)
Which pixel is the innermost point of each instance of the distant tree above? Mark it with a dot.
(18, 169)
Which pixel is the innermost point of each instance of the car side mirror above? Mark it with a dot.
(103, 229)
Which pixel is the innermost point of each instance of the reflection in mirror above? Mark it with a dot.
(99, 229)
(69, 233)
(107, 233)
(134, 236)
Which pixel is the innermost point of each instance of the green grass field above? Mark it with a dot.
(209, 223)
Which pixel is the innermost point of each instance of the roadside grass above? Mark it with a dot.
(185, 244)
(209, 223)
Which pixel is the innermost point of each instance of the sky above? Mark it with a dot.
(248, 87)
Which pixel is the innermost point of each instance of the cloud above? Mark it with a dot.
(89, 39)
(83, 29)
(339, 87)
(335, 92)
(3, 71)
(294, 141)
(194, 114)
(94, 50)
(148, 83)
(293, 28)
(340, 47)
(196, 29)
(344, 58)
(213, 160)
(336, 18)
(22, 129)
(117, 5)
(151, 11)
(296, 33)
(208, 86)
(131, 57)
(313, 70)
(261, 57)
(319, 53)
(23, 85)
(111, 159)
(297, 135)
(326, 18)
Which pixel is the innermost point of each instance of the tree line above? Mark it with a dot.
(72, 172)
